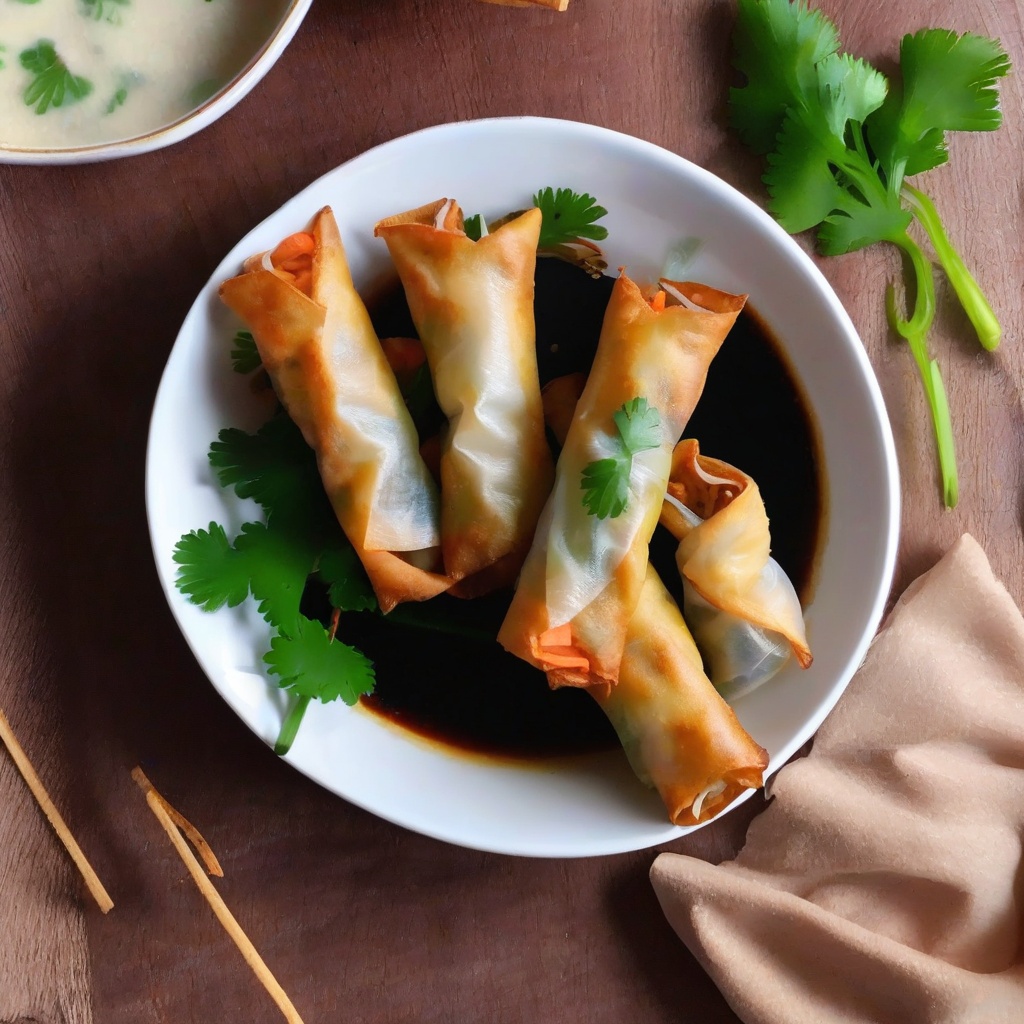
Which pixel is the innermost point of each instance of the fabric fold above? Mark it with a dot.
(884, 882)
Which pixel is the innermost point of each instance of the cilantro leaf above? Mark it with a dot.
(278, 563)
(473, 226)
(245, 357)
(210, 571)
(854, 224)
(311, 664)
(605, 482)
(53, 85)
(349, 587)
(568, 216)
(777, 47)
(848, 90)
(277, 469)
(606, 486)
(948, 85)
(639, 426)
(97, 10)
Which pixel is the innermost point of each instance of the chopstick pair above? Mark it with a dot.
(174, 824)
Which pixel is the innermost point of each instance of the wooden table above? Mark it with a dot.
(360, 920)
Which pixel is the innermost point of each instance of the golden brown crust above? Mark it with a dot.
(472, 302)
(735, 522)
(680, 735)
(662, 355)
(291, 331)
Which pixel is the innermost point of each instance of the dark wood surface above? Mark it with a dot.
(360, 920)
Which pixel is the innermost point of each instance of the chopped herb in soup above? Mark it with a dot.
(82, 72)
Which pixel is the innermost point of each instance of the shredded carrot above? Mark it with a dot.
(556, 649)
(299, 244)
(293, 260)
(658, 302)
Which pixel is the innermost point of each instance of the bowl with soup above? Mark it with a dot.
(87, 80)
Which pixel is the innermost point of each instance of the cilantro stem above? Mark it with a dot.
(290, 728)
(967, 289)
(915, 331)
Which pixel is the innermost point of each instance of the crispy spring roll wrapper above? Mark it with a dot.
(583, 576)
(472, 303)
(726, 558)
(319, 348)
(679, 734)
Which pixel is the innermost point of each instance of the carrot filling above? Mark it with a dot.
(293, 260)
(556, 649)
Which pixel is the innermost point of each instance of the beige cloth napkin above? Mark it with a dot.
(884, 882)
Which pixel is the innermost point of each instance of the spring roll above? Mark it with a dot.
(320, 351)
(679, 734)
(584, 573)
(472, 304)
(717, 514)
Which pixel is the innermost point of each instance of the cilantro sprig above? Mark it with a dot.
(568, 229)
(568, 216)
(314, 665)
(605, 482)
(273, 561)
(840, 141)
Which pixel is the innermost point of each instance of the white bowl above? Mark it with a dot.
(161, 135)
(573, 806)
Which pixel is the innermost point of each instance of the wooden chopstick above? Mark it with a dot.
(168, 818)
(28, 773)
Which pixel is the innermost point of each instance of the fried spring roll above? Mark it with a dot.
(724, 557)
(679, 734)
(319, 348)
(583, 576)
(472, 303)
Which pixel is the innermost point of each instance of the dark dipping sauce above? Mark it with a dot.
(466, 691)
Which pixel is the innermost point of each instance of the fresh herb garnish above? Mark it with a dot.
(117, 100)
(274, 560)
(100, 10)
(840, 142)
(245, 357)
(313, 665)
(606, 481)
(474, 227)
(53, 85)
(568, 217)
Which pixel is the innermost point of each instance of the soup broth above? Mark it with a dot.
(83, 72)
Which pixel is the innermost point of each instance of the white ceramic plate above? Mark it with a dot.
(566, 807)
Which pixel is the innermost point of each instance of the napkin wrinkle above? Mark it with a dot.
(883, 884)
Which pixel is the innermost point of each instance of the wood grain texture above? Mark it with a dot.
(360, 921)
